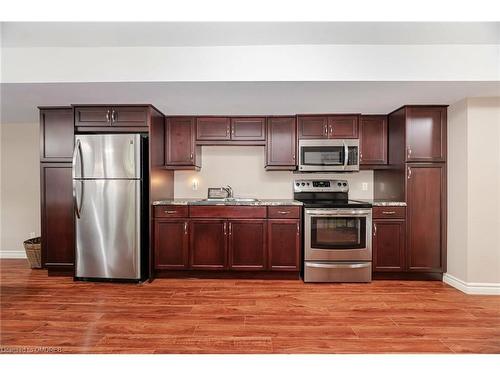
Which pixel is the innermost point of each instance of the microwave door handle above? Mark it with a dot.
(346, 154)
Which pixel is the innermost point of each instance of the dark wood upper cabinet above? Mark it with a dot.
(312, 127)
(373, 139)
(56, 134)
(248, 128)
(426, 134)
(58, 233)
(388, 245)
(171, 244)
(129, 116)
(208, 244)
(92, 116)
(284, 244)
(426, 217)
(343, 126)
(180, 149)
(417, 134)
(281, 143)
(213, 129)
(247, 244)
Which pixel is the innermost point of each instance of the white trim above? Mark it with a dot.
(472, 288)
(12, 254)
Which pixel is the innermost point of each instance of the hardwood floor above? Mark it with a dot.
(40, 313)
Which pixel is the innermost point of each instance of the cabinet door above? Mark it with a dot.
(247, 244)
(388, 245)
(58, 233)
(92, 116)
(56, 134)
(312, 127)
(179, 142)
(373, 139)
(426, 134)
(171, 244)
(213, 129)
(281, 142)
(284, 245)
(129, 116)
(343, 126)
(248, 129)
(208, 244)
(426, 199)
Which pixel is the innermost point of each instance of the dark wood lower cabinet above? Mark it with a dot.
(58, 229)
(247, 245)
(388, 245)
(171, 244)
(208, 244)
(284, 245)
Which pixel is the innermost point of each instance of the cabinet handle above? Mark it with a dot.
(170, 212)
(389, 212)
(283, 212)
(409, 152)
(227, 131)
(225, 230)
(293, 157)
(409, 173)
(331, 129)
(107, 115)
(374, 230)
(113, 116)
(326, 129)
(298, 229)
(360, 156)
(186, 228)
(191, 156)
(230, 230)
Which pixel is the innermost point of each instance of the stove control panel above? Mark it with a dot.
(312, 186)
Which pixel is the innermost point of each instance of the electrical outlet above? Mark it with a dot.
(195, 184)
(364, 186)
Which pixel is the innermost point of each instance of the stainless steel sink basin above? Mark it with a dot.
(225, 200)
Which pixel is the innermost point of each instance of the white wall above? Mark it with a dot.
(243, 169)
(474, 195)
(253, 63)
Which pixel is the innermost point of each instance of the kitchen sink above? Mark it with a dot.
(225, 200)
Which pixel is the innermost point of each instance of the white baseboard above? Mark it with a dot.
(12, 254)
(472, 288)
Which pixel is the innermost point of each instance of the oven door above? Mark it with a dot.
(338, 234)
(329, 155)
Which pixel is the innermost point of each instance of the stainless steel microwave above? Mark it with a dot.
(325, 155)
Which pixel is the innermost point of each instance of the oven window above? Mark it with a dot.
(322, 155)
(338, 232)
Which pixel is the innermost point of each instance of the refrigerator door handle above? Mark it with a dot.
(77, 202)
(77, 152)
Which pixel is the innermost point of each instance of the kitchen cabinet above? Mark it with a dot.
(171, 244)
(332, 126)
(417, 134)
(56, 134)
(208, 244)
(121, 116)
(213, 129)
(281, 143)
(426, 217)
(373, 140)
(284, 244)
(247, 244)
(57, 216)
(180, 149)
(388, 243)
(248, 128)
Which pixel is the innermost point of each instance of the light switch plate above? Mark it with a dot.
(364, 186)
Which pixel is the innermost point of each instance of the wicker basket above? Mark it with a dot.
(33, 252)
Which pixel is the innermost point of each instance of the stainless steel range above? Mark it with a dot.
(337, 238)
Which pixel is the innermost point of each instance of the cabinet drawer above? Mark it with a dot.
(238, 212)
(283, 212)
(389, 212)
(171, 211)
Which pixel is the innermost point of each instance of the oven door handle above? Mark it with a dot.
(338, 265)
(339, 212)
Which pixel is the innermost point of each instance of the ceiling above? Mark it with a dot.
(122, 34)
(19, 101)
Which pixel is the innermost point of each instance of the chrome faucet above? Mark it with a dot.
(229, 191)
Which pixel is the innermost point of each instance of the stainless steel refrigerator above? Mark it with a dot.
(110, 188)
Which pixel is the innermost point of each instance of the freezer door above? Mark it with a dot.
(107, 156)
(108, 228)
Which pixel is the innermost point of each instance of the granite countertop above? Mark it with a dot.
(200, 202)
(384, 202)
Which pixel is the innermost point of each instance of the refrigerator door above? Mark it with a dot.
(108, 228)
(107, 156)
